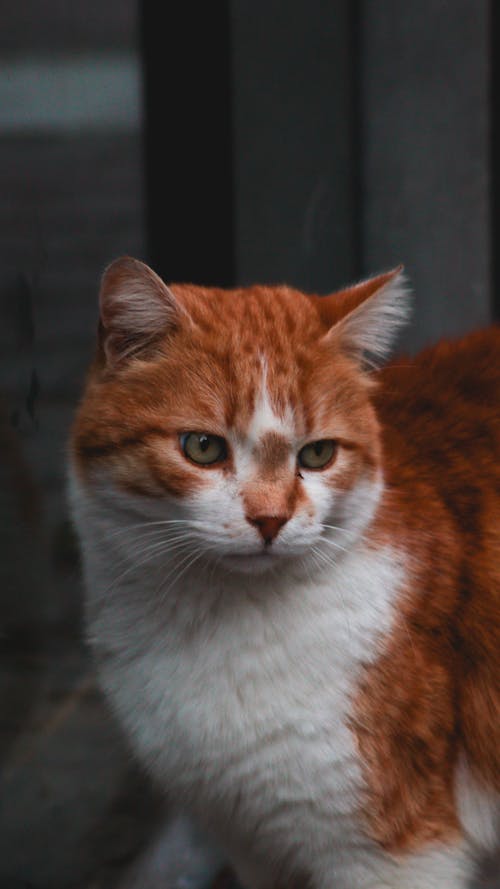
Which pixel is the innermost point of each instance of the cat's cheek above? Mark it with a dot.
(324, 487)
(218, 506)
(177, 477)
(148, 472)
(319, 496)
(351, 468)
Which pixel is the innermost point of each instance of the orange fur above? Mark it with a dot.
(435, 691)
(431, 423)
(142, 407)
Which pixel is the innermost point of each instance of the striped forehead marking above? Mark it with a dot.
(272, 453)
(265, 419)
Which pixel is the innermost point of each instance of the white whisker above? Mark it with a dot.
(334, 528)
(139, 548)
(326, 559)
(187, 563)
(126, 530)
(333, 543)
(149, 553)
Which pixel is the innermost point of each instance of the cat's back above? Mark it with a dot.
(440, 419)
(440, 413)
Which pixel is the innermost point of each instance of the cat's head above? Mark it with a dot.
(239, 421)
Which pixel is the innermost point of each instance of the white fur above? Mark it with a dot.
(236, 686)
(478, 807)
(265, 419)
(371, 329)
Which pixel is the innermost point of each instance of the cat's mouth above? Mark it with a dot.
(259, 560)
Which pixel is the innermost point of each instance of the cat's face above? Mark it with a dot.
(240, 420)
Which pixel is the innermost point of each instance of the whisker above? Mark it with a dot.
(332, 563)
(182, 555)
(187, 564)
(153, 534)
(335, 528)
(333, 543)
(325, 559)
(140, 547)
(128, 528)
(149, 554)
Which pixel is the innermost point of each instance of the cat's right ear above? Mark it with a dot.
(364, 319)
(136, 309)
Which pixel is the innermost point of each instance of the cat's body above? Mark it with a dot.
(305, 656)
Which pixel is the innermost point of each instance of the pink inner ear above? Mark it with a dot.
(337, 305)
(120, 346)
(136, 307)
(368, 318)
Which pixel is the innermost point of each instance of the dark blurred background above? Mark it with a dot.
(227, 142)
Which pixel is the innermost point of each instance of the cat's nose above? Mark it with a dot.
(268, 526)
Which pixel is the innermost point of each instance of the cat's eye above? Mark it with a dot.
(317, 454)
(203, 448)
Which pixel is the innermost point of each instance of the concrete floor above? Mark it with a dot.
(73, 807)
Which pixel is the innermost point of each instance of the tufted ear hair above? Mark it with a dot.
(136, 308)
(365, 319)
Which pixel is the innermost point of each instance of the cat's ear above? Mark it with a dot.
(136, 308)
(365, 319)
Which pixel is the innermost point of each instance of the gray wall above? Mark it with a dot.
(362, 141)
(426, 180)
(294, 153)
(70, 181)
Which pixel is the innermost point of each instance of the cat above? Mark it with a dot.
(291, 558)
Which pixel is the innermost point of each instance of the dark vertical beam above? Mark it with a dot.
(426, 148)
(294, 157)
(188, 140)
(356, 76)
(495, 157)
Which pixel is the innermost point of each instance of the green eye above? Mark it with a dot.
(203, 448)
(317, 454)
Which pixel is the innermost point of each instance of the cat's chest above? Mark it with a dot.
(241, 686)
(255, 726)
(266, 692)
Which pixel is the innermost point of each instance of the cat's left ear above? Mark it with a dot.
(136, 309)
(365, 319)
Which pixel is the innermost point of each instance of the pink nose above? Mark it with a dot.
(268, 526)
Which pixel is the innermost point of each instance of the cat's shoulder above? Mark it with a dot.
(463, 368)
(445, 401)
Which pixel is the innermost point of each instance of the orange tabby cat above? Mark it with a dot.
(293, 578)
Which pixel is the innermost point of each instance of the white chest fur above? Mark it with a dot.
(243, 714)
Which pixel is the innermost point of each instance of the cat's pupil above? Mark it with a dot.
(204, 443)
(318, 448)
